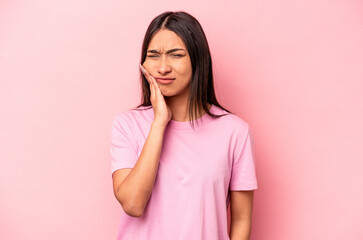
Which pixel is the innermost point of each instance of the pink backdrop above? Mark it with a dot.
(292, 69)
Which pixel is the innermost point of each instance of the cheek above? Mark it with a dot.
(150, 66)
(185, 68)
(146, 63)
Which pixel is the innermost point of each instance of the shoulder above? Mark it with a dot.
(130, 123)
(232, 121)
(133, 114)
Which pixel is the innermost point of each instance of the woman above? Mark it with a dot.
(173, 179)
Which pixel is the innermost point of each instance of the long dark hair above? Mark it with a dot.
(201, 85)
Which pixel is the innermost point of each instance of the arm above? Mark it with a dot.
(241, 214)
(133, 187)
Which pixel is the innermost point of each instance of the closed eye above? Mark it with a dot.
(174, 55)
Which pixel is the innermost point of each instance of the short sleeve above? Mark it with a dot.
(243, 169)
(123, 145)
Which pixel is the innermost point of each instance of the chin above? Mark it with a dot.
(167, 94)
(170, 92)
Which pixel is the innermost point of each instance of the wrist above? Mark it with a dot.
(157, 124)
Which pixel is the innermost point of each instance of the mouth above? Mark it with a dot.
(165, 80)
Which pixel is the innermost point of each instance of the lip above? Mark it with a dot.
(165, 80)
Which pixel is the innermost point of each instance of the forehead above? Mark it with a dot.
(165, 40)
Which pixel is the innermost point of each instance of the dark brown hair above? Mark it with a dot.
(201, 85)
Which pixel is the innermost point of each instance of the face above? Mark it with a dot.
(167, 57)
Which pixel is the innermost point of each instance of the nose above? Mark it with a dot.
(164, 66)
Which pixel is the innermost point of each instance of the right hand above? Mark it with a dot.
(162, 112)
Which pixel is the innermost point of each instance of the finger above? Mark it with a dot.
(146, 73)
(154, 82)
(152, 89)
(157, 88)
(146, 77)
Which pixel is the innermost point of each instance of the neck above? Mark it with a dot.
(180, 109)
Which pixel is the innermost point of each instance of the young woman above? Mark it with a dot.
(174, 179)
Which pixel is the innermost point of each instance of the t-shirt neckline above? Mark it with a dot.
(186, 125)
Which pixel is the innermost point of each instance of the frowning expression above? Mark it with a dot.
(167, 59)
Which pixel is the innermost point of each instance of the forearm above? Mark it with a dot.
(135, 191)
(240, 230)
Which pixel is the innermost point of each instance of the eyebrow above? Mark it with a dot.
(169, 51)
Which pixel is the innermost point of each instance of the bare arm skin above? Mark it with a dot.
(133, 187)
(241, 214)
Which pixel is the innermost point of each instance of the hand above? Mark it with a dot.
(162, 112)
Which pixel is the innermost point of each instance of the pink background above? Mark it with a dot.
(291, 69)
